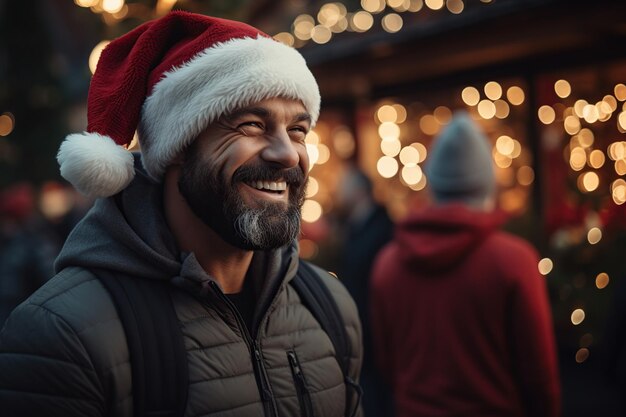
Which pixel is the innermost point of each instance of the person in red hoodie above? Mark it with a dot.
(460, 314)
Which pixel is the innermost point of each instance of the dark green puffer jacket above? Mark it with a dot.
(63, 352)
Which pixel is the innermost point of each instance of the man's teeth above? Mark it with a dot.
(270, 185)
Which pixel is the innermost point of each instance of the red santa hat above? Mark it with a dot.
(168, 79)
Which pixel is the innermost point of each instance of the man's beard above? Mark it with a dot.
(217, 202)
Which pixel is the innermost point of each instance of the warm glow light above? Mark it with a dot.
(620, 92)
(415, 5)
(400, 113)
(525, 175)
(95, 55)
(546, 114)
(594, 235)
(313, 153)
(618, 191)
(620, 167)
(562, 88)
(493, 90)
(285, 37)
(388, 131)
(390, 147)
(324, 154)
(602, 280)
(321, 34)
(502, 109)
(486, 109)
(590, 113)
(409, 156)
(582, 355)
(422, 151)
(621, 120)
(590, 181)
(373, 6)
(455, 6)
(392, 22)
(312, 138)
(596, 159)
(412, 174)
(470, 96)
(303, 26)
(86, 3)
(362, 21)
(517, 149)
(578, 316)
(429, 125)
(571, 125)
(505, 145)
(617, 150)
(387, 166)
(434, 4)
(331, 13)
(387, 113)
(515, 95)
(443, 115)
(502, 161)
(311, 211)
(6, 124)
(395, 3)
(312, 187)
(610, 101)
(585, 138)
(420, 185)
(577, 158)
(545, 266)
(112, 6)
(579, 106)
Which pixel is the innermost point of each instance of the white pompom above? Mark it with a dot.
(95, 164)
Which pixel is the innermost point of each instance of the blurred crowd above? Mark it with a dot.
(34, 223)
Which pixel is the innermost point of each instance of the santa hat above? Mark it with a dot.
(168, 79)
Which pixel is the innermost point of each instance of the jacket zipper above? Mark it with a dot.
(304, 398)
(254, 347)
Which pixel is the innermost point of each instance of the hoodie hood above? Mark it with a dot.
(440, 237)
(128, 234)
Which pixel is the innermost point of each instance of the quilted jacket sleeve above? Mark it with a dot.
(44, 368)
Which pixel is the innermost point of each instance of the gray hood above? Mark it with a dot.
(128, 234)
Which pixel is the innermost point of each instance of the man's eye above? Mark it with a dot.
(251, 124)
(299, 131)
(250, 128)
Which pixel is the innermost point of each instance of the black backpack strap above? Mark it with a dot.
(158, 356)
(316, 296)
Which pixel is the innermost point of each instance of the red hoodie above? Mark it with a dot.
(461, 319)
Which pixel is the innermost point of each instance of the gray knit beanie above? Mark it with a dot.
(459, 165)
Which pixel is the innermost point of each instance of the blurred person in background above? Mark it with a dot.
(206, 220)
(26, 250)
(460, 314)
(363, 227)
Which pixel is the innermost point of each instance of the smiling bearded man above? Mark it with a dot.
(181, 291)
(216, 200)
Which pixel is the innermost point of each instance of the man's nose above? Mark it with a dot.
(281, 150)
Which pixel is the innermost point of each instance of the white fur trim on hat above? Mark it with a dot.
(220, 79)
(95, 164)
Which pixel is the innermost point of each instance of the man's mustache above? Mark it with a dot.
(264, 172)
